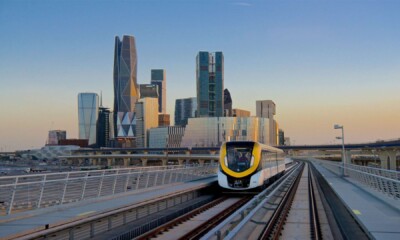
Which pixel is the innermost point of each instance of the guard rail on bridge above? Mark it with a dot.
(381, 180)
(26, 192)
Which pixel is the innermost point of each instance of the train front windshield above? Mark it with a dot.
(239, 156)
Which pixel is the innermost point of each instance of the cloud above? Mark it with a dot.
(243, 4)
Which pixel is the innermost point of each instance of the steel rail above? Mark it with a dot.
(203, 228)
(165, 227)
(197, 232)
(274, 226)
(315, 226)
(251, 208)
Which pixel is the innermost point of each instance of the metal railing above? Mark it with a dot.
(27, 192)
(384, 181)
(376, 171)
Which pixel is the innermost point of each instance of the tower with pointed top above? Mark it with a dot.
(125, 87)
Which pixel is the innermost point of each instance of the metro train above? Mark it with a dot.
(249, 165)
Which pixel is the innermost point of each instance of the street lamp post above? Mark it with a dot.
(337, 126)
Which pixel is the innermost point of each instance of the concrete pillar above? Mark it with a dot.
(126, 162)
(388, 159)
(144, 162)
(110, 162)
(164, 161)
(393, 162)
(348, 157)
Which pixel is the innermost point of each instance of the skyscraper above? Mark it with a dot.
(158, 78)
(227, 103)
(267, 109)
(210, 84)
(104, 127)
(147, 117)
(281, 134)
(125, 86)
(88, 108)
(185, 108)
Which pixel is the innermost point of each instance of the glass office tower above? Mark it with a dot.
(210, 84)
(88, 108)
(158, 78)
(104, 127)
(185, 108)
(125, 86)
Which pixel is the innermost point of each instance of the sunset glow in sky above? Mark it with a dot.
(321, 62)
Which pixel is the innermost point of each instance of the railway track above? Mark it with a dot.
(196, 223)
(249, 221)
(294, 208)
(298, 215)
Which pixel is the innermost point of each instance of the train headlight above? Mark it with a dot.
(252, 161)
(226, 161)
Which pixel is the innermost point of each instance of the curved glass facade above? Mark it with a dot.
(88, 108)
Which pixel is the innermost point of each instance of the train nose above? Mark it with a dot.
(238, 183)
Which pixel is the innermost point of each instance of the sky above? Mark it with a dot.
(322, 62)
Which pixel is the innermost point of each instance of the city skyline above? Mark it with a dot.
(322, 63)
